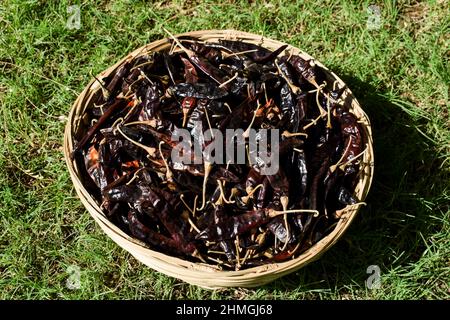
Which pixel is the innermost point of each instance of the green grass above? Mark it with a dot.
(400, 74)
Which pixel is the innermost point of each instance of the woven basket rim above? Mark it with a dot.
(199, 273)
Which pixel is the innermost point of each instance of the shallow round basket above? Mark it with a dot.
(199, 273)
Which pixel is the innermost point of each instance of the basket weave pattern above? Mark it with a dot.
(199, 273)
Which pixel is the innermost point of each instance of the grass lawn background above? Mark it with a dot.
(399, 73)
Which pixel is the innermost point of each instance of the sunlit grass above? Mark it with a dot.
(399, 73)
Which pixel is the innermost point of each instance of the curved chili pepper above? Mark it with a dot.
(234, 225)
(289, 109)
(209, 52)
(270, 56)
(150, 102)
(282, 256)
(190, 74)
(198, 90)
(317, 179)
(226, 245)
(122, 193)
(303, 68)
(221, 173)
(301, 176)
(203, 64)
(302, 106)
(336, 94)
(168, 64)
(198, 113)
(118, 77)
(188, 181)
(352, 136)
(286, 69)
(206, 67)
(263, 194)
(172, 223)
(187, 105)
(280, 184)
(130, 80)
(253, 179)
(253, 51)
(120, 181)
(142, 232)
(99, 124)
(278, 228)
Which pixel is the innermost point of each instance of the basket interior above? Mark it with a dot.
(198, 273)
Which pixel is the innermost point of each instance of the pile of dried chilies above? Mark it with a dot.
(229, 216)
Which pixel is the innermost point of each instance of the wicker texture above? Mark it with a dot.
(198, 273)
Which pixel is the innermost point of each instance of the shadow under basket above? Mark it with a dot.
(199, 273)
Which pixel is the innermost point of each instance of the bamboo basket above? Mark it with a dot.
(199, 273)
